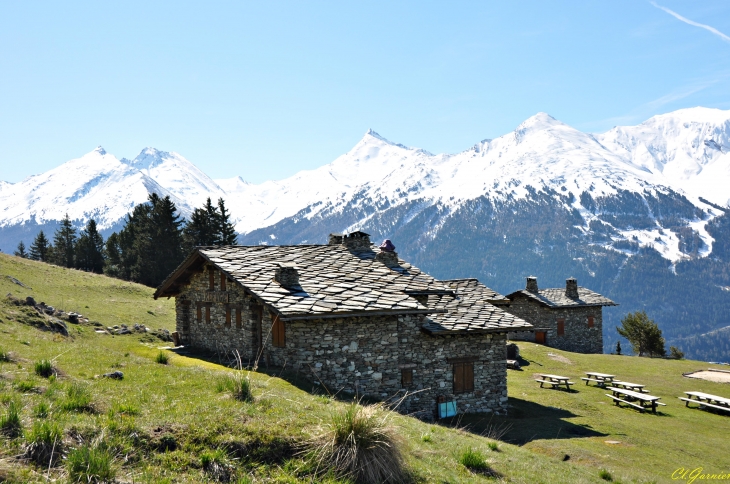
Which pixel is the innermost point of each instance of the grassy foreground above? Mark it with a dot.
(177, 422)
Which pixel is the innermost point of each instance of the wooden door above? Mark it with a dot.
(540, 337)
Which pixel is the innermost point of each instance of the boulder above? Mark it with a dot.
(115, 375)
(29, 301)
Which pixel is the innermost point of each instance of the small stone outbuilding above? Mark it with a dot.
(569, 318)
(351, 317)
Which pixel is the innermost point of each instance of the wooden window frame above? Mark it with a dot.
(463, 377)
(561, 327)
(278, 332)
(207, 312)
(211, 280)
(406, 377)
(224, 280)
(199, 312)
(228, 315)
(591, 322)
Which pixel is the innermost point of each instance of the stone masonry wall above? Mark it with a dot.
(362, 355)
(578, 337)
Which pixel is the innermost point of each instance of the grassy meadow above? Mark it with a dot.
(180, 421)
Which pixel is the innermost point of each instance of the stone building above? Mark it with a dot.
(350, 316)
(569, 318)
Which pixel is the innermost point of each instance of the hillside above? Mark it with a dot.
(162, 423)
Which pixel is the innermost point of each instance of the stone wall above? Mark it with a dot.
(359, 355)
(578, 337)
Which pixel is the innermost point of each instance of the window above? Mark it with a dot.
(207, 312)
(561, 327)
(463, 377)
(239, 308)
(228, 315)
(199, 314)
(211, 280)
(590, 321)
(406, 377)
(278, 337)
(223, 282)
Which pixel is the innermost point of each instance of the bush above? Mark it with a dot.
(10, 424)
(237, 385)
(162, 358)
(90, 464)
(78, 399)
(44, 368)
(360, 444)
(675, 353)
(44, 443)
(473, 459)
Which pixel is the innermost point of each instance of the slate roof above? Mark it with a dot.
(335, 281)
(469, 310)
(556, 298)
(470, 284)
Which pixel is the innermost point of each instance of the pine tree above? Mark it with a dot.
(643, 334)
(90, 249)
(64, 241)
(226, 233)
(201, 228)
(39, 249)
(20, 252)
(618, 347)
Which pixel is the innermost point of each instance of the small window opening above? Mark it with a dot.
(561, 327)
(590, 322)
(463, 377)
(406, 377)
(278, 336)
(223, 281)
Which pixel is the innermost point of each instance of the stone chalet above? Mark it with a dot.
(569, 318)
(350, 316)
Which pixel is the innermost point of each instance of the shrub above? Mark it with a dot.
(493, 446)
(44, 368)
(605, 475)
(78, 399)
(44, 443)
(360, 444)
(90, 464)
(473, 459)
(675, 353)
(10, 424)
(426, 437)
(237, 384)
(162, 358)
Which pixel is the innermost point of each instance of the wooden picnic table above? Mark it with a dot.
(629, 386)
(554, 380)
(600, 378)
(640, 401)
(707, 400)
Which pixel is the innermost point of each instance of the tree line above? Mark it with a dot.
(151, 244)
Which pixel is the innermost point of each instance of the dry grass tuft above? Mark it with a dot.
(360, 444)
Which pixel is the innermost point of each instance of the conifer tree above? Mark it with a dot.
(226, 231)
(90, 249)
(39, 249)
(20, 252)
(643, 334)
(64, 241)
(201, 228)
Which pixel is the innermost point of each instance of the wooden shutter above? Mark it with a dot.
(207, 313)
(590, 321)
(199, 312)
(561, 327)
(278, 334)
(223, 281)
(211, 280)
(239, 308)
(463, 377)
(228, 315)
(406, 377)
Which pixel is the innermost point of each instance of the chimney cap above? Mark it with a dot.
(531, 285)
(358, 233)
(387, 246)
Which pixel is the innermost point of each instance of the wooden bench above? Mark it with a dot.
(639, 407)
(630, 386)
(630, 397)
(704, 399)
(555, 381)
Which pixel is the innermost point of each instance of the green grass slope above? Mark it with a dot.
(176, 422)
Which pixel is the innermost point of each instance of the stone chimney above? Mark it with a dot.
(335, 239)
(357, 241)
(287, 275)
(571, 288)
(387, 254)
(531, 285)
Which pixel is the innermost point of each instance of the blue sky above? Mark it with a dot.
(266, 89)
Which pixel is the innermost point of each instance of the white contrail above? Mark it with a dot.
(690, 22)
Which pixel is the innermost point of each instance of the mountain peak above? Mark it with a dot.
(539, 121)
(99, 149)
